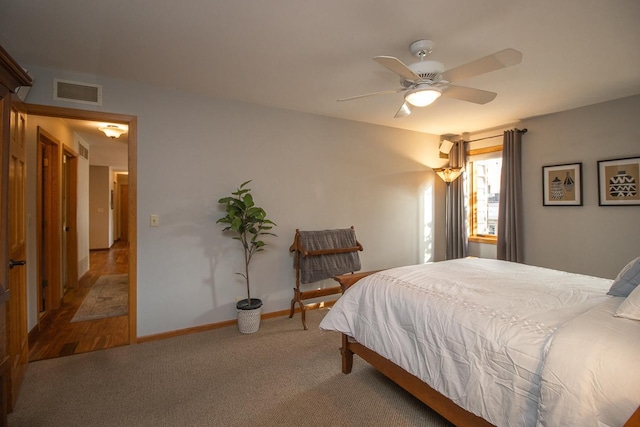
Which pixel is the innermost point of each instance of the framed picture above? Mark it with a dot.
(562, 185)
(618, 181)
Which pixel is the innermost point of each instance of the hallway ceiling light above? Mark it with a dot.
(112, 131)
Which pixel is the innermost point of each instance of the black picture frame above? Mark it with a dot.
(562, 185)
(618, 182)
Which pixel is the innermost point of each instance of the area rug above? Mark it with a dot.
(109, 297)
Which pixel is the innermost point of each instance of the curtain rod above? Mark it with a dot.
(496, 136)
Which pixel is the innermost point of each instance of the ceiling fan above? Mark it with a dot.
(426, 80)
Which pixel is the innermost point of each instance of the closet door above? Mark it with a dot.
(18, 334)
(13, 336)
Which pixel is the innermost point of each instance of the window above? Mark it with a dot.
(483, 189)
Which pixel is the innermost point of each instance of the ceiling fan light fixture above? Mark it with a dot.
(422, 95)
(112, 131)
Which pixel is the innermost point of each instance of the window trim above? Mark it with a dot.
(471, 215)
(484, 150)
(490, 240)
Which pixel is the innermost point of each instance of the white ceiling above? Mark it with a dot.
(303, 55)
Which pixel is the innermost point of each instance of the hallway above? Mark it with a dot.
(58, 337)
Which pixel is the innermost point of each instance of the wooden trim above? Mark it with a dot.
(634, 420)
(133, 229)
(186, 331)
(12, 75)
(484, 150)
(5, 392)
(70, 216)
(484, 239)
(472, 213)
(132, 123)
(226, 323)
(51, 214)
(33, 333)
(74, 113)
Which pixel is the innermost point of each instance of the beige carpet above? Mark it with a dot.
(109, 297)
(279, 376)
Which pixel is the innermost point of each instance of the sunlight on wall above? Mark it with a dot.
(427, 207)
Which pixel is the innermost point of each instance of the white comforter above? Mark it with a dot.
(476, 330)
(591, 375)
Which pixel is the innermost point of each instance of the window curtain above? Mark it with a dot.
(510, 227)
(456, 221)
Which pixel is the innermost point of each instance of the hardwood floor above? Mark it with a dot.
(58, 337)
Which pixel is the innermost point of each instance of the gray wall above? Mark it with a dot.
(313, 172)
(589, 239)
(309, 172)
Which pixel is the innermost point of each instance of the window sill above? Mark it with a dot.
(490, 240)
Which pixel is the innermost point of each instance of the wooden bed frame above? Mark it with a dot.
(414, 385)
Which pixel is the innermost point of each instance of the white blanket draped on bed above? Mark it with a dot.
(476, 330)
(591, 375)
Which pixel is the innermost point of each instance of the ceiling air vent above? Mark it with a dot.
(82, 93)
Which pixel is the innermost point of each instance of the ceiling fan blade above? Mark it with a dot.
(502, 59)
(398, 67)
(382, 92)
(469, 94)
(404, 110)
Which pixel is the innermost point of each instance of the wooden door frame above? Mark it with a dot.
(50, 214)
(132, 123)
(120, 185)
(71, 217)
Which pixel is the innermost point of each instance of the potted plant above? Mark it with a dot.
(248, 223)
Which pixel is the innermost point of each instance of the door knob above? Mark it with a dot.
(13, 263)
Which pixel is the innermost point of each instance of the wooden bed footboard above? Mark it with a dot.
(412, 384)
(416, 387)
(348, 280)
(421, 390)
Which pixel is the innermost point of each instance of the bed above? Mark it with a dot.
(488, 342)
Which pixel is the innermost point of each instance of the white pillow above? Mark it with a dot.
(627, 280)
(630, 307)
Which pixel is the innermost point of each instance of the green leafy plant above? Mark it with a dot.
(249, 224)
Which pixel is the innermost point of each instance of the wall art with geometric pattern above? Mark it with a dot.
(562, 185)
(618, 181)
